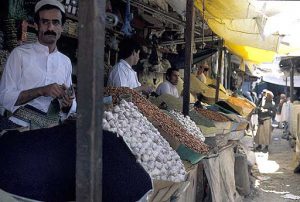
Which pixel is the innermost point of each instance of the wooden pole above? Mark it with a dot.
(189, 37)
(292, 80)
(229, 71)
(90, 93)
(220, 48)
(286, 87)
(225, 81)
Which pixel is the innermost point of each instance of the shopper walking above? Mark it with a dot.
(265, 113)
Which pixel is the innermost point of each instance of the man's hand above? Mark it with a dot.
(54, 90)
(144, 89)
(66, 103)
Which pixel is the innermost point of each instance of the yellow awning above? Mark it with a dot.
(254, 55)
(241, 25)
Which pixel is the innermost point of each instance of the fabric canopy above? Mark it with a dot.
(254, 30)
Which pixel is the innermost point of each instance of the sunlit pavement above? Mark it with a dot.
(273, 173)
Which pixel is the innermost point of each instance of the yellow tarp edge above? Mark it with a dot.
(233, 21)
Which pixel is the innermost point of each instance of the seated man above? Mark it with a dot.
(169, 86)
(202, 72)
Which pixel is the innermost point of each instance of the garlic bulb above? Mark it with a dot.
(188, 124)
(152, 151)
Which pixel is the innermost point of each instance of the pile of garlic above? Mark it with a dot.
(152, 151)
(188, 124)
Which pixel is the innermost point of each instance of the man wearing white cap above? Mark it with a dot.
(37, 76)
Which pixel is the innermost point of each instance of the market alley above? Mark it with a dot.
(274, 176)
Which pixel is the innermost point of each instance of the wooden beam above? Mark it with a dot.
(292, 72)
(90, 93)
(229, 70)
(189, 41)
(225, 82)
(286, 87)
(162, 14)
(220, 49)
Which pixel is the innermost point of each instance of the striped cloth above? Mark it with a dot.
(38, 119)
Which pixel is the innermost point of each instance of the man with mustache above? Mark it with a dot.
(36, 82)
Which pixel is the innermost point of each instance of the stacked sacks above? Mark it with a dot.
(208, 92)
(243, 106)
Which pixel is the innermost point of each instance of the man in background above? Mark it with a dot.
(169, 86)
(122, 74)
(202, 72)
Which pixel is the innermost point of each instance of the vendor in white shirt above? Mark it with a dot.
(122, 74)
(36, 74)
(169, 86)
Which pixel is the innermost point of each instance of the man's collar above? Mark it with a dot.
(170, 83)
(44, 48)
(126, 63)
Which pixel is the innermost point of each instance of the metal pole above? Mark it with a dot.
(189, 37)
(292, 80)
(220, 48)
(90, 92)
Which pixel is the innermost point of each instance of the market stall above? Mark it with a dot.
(169, 148)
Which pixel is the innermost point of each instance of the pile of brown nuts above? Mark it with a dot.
(163, 121)
(215, 116)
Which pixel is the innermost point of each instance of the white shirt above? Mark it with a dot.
(285, 111)
(167, 88)
(30, 66)
(122, 75)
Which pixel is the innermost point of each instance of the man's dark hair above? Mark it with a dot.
(169, 72)
(127, 47)
(48, 7)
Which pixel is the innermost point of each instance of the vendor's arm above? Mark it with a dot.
(11, 95)
(144, 89)
(68, 102)
(53, 90)
(9, 91)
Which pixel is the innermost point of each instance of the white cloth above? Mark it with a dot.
(167, 88)
(31, 66)
(264, 133)
(278, 118)
(122, 75)
(285, 112)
